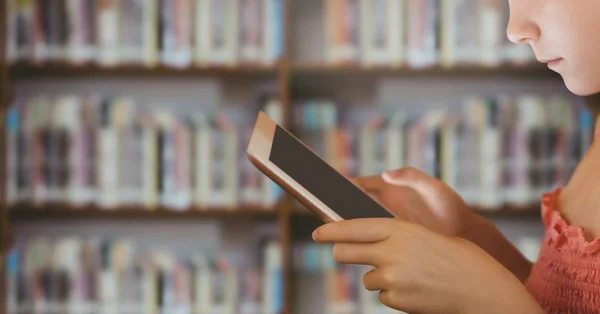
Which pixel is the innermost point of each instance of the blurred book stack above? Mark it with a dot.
(174, 33)
(420, 33)
(495, 151)
(93, 275)
(111, 152)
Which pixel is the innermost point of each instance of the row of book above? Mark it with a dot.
(72, 275)
(420, 33)
(325, 286)
(495, 151)
(174, 33)
(112, 152)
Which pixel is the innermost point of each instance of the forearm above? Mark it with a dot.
(485, 234)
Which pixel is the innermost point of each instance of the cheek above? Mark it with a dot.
(576, 38)
(582, 75)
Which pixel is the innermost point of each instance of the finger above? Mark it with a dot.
(398, 301)
(392, 277)
(359, 254)
(356, 230)
(378, 279)
(417, 180)
(370, 184)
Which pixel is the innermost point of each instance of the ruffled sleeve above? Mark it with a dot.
(566, 277)
(561, 236)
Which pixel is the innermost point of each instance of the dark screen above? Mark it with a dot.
(320, 179)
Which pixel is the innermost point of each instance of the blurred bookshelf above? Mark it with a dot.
(25, 71)
(28, 212)
(57, 84)
(506, 70)
(513, 212)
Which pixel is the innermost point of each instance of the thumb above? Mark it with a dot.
(372, 183)
(416, 179)
(406, 176)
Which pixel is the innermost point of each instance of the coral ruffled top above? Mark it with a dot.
(566, 277)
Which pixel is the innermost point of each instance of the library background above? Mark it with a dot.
(124, 184)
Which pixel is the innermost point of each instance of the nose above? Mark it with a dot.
(521, 28)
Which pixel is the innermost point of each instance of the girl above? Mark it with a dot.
(439, 257)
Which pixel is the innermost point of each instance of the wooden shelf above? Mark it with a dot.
(57, 69)
(27, 212)
(522, 212)
(508, 70)
(532, 211)
(27, 70)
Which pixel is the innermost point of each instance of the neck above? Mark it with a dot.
(579, 201)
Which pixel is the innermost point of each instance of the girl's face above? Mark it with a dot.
(565, 34)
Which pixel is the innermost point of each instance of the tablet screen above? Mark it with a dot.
(322, 180)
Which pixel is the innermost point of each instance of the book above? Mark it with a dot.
(423, 48)
(107, 26)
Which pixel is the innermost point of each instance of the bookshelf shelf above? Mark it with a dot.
(27, 212)
(29, 70)
(521, 212)
(509, 70)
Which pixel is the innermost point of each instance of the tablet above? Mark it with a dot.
(308, 178)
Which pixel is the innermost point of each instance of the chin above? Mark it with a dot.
(581, 87)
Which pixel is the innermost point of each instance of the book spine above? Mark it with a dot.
(12, 25)
(278, 31)
(231, 168)
(422, 51)
(204, 167)
(108, 26)
(76, 26)
(273, 280)
(13, 162)
(182, 169)
(149, 33)
(203, 31)
(149, 161)
(107, 165)
(448, 30)
(491, 33)
(396, 32)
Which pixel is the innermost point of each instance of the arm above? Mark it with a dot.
(485, 234)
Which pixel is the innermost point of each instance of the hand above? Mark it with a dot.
(420, 271)
(416, 197)
(579, 200)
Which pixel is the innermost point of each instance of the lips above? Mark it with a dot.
(551, 62)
